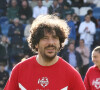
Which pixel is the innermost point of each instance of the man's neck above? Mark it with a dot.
(71, 51)
(44, 62)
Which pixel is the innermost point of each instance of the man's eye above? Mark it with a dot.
(45, 38)
(55, 37)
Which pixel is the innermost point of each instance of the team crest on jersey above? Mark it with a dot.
(96, 83)
(43, 81)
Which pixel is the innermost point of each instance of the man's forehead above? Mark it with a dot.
(52, 32)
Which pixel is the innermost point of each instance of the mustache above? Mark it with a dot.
(51, 46)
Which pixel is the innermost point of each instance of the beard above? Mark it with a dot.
(49, 56)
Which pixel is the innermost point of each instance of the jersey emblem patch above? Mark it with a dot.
(43, 81)
(96, 83)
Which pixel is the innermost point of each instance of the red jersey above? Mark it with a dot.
(92, 79)
(29, 75)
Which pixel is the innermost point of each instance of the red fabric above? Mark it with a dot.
(92, 79)
(33, 76)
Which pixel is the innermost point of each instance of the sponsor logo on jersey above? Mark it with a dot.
(43, 81)
(96, 83)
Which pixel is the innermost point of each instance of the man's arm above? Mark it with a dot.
(77, 82)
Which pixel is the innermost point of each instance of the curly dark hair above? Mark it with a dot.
(47, 23)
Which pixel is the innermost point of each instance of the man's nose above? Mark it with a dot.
(51, 41)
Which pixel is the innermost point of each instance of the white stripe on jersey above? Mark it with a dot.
(65, 88)
(21, 87)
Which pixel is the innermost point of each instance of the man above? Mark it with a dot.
(4, 75)
(55, 9)
(67, 10)
(72, 56)
(85, 53)
(87, 29)
(25, 12)
(12, 11)
(16, 32)
(71, 24)
(90, 12)
(45, 70)
(4, 49)
(39, 9)
(92, 78)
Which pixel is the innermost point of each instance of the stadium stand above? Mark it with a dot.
(83, 10)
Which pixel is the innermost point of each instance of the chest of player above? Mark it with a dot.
(43, 80)
(95, 81)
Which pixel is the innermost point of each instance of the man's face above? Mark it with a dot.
(81, 43)
(60, 1)
(14, 3)
(39, 3)
(48, 46)
(96, 58)
(71, 47)
(16, 22)
(87, 18)
(68, 17)
(55, 3)
(24, 4)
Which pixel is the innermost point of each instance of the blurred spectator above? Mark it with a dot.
(33, 3)
(77, 3)
(12, 11)
(61, 3)
(17, 53)
(39, 9)
(25, 12)
(85, 53)
(71, 24)
(67, 10)
(55, 9)
(27, 50)
(4, 75)
(3, 55)
(77, 22)
(4, 50)
(87, 30)
(16, 32)
(90, 12)
(3, 7)
(18, 2)
(65, 47)
(27, 28)
(72, 56)
(47, 3)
